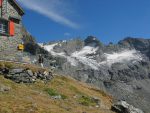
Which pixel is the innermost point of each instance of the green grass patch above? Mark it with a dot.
(87, 101)
(9, 65)
(64, 78)
(52, 92)
(74, 89)
(63, 96)
(2, 65)
(6, 64)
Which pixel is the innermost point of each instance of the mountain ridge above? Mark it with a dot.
(120, 69)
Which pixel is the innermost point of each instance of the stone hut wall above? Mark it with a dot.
(8, 44)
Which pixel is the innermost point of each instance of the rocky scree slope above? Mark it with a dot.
(121, 69)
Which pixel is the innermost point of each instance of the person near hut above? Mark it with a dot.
(41, 60)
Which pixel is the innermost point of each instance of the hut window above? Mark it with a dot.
(3, 27)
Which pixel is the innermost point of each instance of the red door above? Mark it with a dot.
(1, 3)
(11, 28)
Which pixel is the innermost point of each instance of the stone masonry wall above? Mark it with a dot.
(12, 10)
(8, 44)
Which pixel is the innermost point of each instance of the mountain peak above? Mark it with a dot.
(92, 41)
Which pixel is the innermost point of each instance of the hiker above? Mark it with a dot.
(41, 60)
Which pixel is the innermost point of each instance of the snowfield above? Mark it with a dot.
(85, 51)
(50, 48)
(124, 56)
(82, 56)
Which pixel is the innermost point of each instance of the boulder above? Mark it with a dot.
(8, 76)
(5, 71)
(30, 73)
(4, 88)
(57, 97)
(124, 107)
(16, 71)
(97, 101)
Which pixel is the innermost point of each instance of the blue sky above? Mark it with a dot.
(108, 20)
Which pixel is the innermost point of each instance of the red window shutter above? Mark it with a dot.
(11, 28)
(1, 3)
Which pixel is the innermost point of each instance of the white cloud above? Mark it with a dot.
(67, 34)
(56, 10)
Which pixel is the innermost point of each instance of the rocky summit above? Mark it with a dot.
(122, 69)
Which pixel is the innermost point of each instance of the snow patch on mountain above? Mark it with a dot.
(85, 51)
(50, 48)
(72, 61)
(88, 62)
(83, 57)
(124, 56)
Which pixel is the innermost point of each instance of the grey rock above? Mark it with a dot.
(35, 74)
(57, 97)
(8, 76)
(97, 101)
(30, 72)
(16, 71)
(124, 107)
(25, 75)
(34, 77)
(92, 41)
(41, 76)
(4, 88)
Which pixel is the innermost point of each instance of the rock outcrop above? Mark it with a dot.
(122, 69)
(124, 107)
(21, 75)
